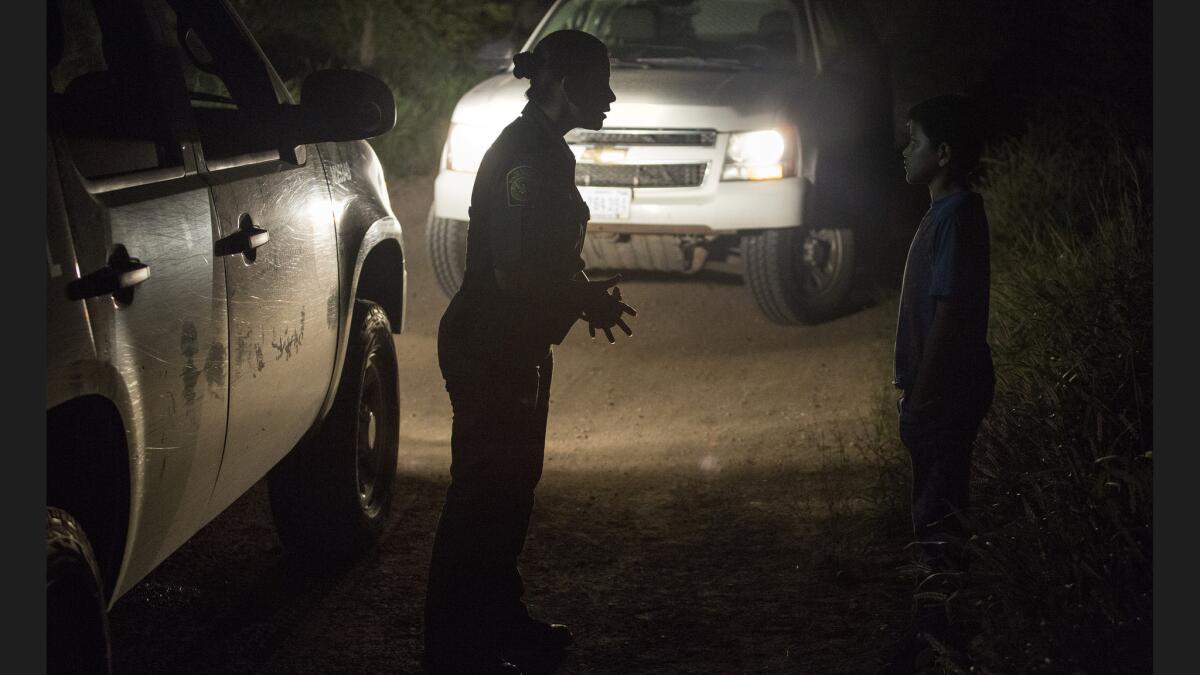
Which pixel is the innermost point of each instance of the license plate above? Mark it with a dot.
(607, 203)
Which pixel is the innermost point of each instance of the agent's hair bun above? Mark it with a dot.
(524, 65)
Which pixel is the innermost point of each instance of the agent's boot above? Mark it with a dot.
(467, 663)
(529, 634)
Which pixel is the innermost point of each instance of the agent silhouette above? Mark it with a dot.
(522, 291)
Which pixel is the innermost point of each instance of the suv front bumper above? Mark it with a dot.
(713, 207)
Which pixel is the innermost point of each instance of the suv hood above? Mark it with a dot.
(654, 98)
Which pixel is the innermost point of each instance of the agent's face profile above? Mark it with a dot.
(588, 97)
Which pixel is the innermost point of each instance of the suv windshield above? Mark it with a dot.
(691, 33)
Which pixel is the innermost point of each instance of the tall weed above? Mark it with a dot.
(1062, 508)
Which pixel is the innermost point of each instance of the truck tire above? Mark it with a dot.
(331, 496)
(76, 611)
(800, 275)
(447, 241)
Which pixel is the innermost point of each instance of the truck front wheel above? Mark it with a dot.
(799, 274)
(331, 496)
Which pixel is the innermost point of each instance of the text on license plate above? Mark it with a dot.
(607, 203)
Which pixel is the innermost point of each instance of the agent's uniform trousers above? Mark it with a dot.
(498, 440)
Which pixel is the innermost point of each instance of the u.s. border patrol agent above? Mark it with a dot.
(523, 289)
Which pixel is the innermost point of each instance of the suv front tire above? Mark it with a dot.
(447, 242)
(800, 275)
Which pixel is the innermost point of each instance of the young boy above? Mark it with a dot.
(943, 364)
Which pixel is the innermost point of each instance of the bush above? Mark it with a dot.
(1062, 504)
(423, 49)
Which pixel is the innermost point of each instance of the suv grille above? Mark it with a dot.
(640, 175)
(702, 137)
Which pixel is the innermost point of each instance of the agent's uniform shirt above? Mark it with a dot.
(526, 216)
(949, 259)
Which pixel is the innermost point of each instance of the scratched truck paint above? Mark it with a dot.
(224, 277)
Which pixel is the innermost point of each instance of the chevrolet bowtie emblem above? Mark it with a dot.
(603, 154)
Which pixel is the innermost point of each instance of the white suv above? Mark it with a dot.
(752, 128)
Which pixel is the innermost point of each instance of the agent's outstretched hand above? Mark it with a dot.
(607, 312)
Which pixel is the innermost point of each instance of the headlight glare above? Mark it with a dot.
(466, 145)
(758, 155)
(756, 147)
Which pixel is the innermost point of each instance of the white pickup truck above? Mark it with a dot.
(759, 129)
(225, 276)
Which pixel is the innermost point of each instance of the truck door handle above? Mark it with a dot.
(244, 240)
(117, 278)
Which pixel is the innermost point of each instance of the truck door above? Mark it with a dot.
(141, 228)
(275, 239)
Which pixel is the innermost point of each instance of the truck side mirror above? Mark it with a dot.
(344, 105)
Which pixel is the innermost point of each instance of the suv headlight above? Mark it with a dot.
(760, 155)
(466, 144)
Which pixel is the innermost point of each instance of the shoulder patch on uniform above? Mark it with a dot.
(520, 181)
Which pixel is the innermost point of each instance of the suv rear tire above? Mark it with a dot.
(76, 611)
(331, 496)
(447, 242)
(800, 275)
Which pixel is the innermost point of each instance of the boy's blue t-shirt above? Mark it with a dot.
(949, 258)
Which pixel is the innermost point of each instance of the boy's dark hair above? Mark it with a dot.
(563, 52)
(952, 119)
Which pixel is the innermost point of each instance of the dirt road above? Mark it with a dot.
(695, 514)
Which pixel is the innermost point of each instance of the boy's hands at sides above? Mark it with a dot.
(942, 357)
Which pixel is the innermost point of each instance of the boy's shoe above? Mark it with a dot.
(468, 663)
(531, 634)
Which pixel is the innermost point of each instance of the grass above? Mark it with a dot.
(1064, 462)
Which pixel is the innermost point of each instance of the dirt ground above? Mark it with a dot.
(700, 510)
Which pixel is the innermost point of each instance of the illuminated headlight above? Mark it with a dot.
(759, 155)
(466, 145)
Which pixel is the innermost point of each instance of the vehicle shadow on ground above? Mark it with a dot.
(232, 600)
(271, 606)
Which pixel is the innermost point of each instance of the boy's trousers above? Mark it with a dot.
(940, 448)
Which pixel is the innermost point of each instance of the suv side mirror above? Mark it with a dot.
(344, 105)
